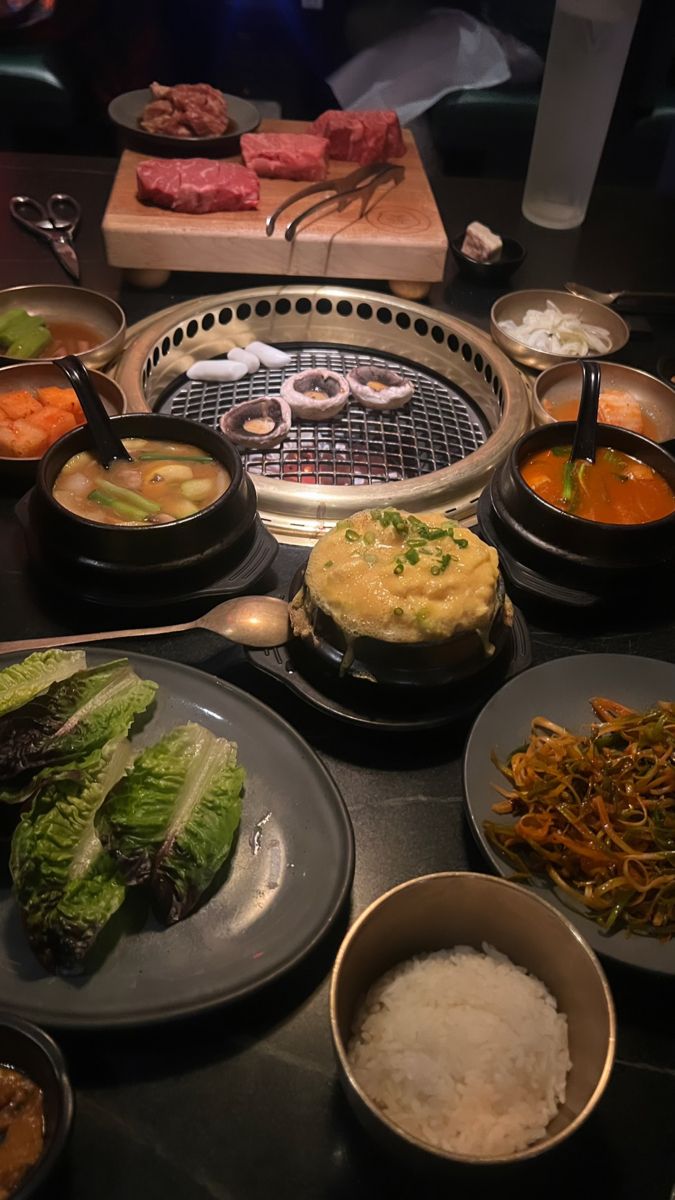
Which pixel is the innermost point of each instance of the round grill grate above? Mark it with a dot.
(439, 427)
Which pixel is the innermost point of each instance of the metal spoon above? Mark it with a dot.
(260, 621)
(625, 300)
(585, 435)
(107, 445)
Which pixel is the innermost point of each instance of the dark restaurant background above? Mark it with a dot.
(62, 61)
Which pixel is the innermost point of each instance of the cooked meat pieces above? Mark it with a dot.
(186, 110)
(197, 185)
(379, 387)
(286, 155)
(363, 137)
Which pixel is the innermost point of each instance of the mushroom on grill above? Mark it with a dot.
(379, 387)
(257, 424)
(316, 394)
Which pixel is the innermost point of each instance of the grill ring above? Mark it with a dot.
(493, 402)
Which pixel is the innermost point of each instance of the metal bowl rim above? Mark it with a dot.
(551, 294)
(63, 287)
(544, 1144)
(537, 402)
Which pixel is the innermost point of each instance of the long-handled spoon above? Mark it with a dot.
(260, 621)
(585, 435)
(626, 301)
(107, 445)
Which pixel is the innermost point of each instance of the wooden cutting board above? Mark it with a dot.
(401, 236)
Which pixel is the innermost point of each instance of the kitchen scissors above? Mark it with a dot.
(56, 223)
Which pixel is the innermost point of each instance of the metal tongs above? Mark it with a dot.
(361, 183)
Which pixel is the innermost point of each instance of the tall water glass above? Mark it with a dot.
(586, 56)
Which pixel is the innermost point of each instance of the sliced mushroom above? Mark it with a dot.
(257, 424)
(316, 394)
(379, 387)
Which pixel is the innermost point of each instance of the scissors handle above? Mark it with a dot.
(57, 221)
(64, 212)
(32, 215)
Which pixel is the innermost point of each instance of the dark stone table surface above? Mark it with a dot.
(244, 1104)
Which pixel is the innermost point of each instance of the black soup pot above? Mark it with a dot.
(570, 551)
(411, 665)
(167, 558)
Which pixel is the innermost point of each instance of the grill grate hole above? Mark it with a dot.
(360, 446)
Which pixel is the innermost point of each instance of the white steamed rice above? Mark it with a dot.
(463, 1050)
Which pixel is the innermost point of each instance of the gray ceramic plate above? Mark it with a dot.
(290, 873)
(561, 690)
(125, 110)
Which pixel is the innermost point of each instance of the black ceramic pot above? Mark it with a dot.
(402, 664)
(597, 558)
(31, 1051)
(169, 558)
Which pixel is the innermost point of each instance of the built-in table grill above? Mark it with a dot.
(469, 405)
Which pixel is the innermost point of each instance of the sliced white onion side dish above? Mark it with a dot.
(555, 332)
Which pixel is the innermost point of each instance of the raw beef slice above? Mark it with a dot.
(286, 155)
(365, 137)
(197, 185)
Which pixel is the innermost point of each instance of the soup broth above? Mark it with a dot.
(166, 482)
(615, 489)
(70, 337)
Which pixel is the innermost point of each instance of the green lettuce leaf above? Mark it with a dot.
(66, 885)
(173, 817)
(73, 717)
(24, 680)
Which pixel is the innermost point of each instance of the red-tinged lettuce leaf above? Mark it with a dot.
(172, 819)
(73, 717)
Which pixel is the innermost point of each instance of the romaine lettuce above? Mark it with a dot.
(66, 884)
(172, 819)
(73, 717)
(23, 680)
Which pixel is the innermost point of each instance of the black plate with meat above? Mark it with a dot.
(125, 111)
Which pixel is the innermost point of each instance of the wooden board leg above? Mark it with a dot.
(145, 277)
(409, 290)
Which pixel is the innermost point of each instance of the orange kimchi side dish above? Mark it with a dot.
(616, 489)
(595, 813)
(616, 407)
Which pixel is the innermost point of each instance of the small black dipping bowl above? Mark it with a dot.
(568, 559)
(498, 271)
(166, 559)
(28, 1049)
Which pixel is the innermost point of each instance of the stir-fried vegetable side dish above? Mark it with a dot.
(596, 813)
(90, 820)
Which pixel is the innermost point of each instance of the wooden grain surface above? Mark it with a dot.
(401, 236)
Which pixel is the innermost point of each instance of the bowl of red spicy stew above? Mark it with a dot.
(105, 539)
(597, 526)
(37, 1108)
